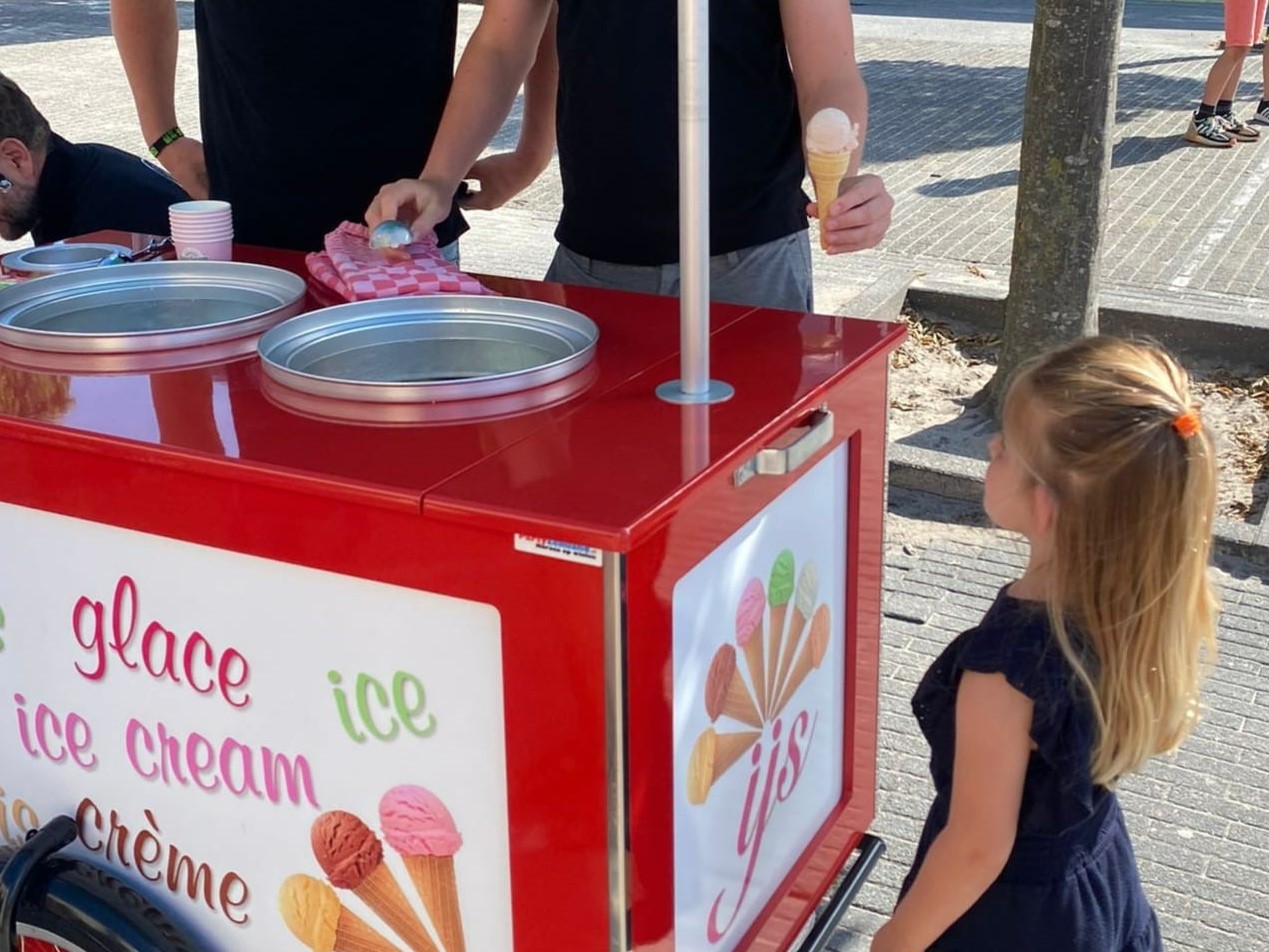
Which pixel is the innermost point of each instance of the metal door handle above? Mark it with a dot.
(780, 461)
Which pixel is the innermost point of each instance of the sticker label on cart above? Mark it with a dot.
(555, 549)
(759, 706)
(279, 757)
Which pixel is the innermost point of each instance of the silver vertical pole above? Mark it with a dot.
(695, 385)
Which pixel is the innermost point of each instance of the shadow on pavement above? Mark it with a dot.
(42, 21)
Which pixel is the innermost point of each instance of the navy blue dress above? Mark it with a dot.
(1071, 883)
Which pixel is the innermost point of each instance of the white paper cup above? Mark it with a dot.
(218, 249)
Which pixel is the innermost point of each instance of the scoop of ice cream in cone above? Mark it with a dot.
(712, 756)
(831, 138)
(316, 917)
(726, 692)
(345, 848)
(352, 857)
(418, 826)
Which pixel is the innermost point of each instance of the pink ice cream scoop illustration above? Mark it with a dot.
(418, 826)
(749, 612)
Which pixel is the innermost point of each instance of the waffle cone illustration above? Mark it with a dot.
(804, 605)
(810, 657)
(433, 878)
(418, 826)
(316, 917)
(830, 140)
(352, 857)
(726, 692)
(749, 638)
(779, 591)
(712, 756)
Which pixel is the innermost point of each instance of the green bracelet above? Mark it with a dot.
(165, 140)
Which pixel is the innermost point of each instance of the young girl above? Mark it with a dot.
(1083, 669)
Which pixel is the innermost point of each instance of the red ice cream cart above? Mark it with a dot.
(627, 648)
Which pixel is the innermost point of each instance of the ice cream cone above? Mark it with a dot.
(779, 591)
(418, 826)
(316, 917)
(726, 692)
(810, 657)
(827, 171)
(382, 893)
(749, 637)
(352, 857)
(804, 605)
(712, 756)
(830, 139)
(433, 878)
(354, 935)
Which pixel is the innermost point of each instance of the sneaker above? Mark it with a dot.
(1261, 118)
(1239, 129)
(1209, 131)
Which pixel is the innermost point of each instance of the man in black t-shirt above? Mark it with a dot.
(307, 108)
(774, 64)
(55, 189)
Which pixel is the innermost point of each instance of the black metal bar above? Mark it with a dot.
(39, 846)
(870, 850)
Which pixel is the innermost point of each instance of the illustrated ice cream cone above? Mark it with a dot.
(830, 139)
(779, 591)
(810, 657)
(711, 757)
(352, 857)
(316, 917)
(418, 826)
(804, 604)
(726, 691)
(749, 638)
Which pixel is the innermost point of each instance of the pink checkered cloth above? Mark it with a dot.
(357, 272)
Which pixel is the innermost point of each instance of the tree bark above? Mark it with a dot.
(1067, 131)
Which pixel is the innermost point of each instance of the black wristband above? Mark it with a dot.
(165, 140)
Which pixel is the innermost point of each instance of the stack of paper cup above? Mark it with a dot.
(202, 231)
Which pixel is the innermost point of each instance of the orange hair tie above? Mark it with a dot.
(1187, 424)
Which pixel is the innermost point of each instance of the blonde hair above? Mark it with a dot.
(1096, 422)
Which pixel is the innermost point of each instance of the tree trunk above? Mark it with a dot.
(1067, 127)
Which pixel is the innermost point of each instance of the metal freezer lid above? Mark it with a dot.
(59, 257)
(428, 349)
(146, 307)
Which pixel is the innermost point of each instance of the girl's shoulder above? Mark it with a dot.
(1016, 639)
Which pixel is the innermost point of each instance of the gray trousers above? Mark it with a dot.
(776, 274)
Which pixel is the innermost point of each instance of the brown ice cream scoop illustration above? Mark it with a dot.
(712, 756)
(352, 857)
(810, 658)
(316, 917)
(726, 691)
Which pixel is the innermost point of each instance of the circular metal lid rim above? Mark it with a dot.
(15, 262)
(287, 338)
(284, 287)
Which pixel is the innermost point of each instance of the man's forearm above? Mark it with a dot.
(147, 36)
(537, 133)
(494, 65)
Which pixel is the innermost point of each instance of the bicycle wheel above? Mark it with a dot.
(74, 906)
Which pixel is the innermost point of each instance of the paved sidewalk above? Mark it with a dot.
(1199, 819)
